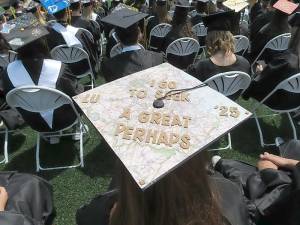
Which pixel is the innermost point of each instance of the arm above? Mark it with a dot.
(3, 198)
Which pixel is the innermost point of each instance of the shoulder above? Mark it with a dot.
(242, 60)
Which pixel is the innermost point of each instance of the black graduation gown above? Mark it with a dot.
(130, 62)
(232, 205)
(255, 11)
(77, 21)
(278, 25)
(283, 66)
(54, 39)
(273, 195)
(65, 83)
(29, 200)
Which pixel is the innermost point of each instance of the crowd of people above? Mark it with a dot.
(201, 191)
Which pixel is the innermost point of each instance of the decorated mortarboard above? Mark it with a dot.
(220, 21)
(54, 6)
(124, 18)
(152, 142)
(236, 5)
(294, 21)
(285, 6)
(22, 31)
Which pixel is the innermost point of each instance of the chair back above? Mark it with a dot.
(67, 54)
(199, 30)
(183, 46)
(88, 34)
(229, 83)
(6, 59)
(241, 44)
(278, 43)
(117, 49)
(37, 99)
(97, 26)
(159, 31)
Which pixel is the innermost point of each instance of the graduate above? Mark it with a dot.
(78, 21)
(133, 58)
(25, 200)
(278, 25)
(280, 67)
(220, 47)
(203, 7)
(62, 33)
(33, 67)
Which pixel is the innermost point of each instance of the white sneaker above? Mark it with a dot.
(215, 159)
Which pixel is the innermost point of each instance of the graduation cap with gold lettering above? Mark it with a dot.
(152, 142)
(124, 18)
(22, 31)
(236, 5)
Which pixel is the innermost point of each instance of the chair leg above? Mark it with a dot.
(261, 137)
(229, 146)
(37, 152)
(81, 144)
(5, 149)
(92, 81)
(293, 126)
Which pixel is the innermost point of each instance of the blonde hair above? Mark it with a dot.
(219, 41)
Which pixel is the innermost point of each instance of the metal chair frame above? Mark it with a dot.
(117, 49)
(241, 43)
(160, 30)
(33, 99)
(229, 83)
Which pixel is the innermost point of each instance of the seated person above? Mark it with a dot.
(161, 15)
(25, 200)
(133, 58)
(34, 68)
(272, 188)
(203, 8)
(186, 195)
(61, 33)
(181, 27)
(220, 47)
(281, 67)
(278, 25)
(78, 21)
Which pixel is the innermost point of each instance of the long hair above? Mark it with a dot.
(183, 197)
(87, 10)
(219, 41)
(162, 13)
(181, 23)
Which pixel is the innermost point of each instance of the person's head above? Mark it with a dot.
(87, 9)
(35, 49)
(75, 7)
(161, 11)
(61, 15)
(128, 36)
(219, 42)
(183, 197)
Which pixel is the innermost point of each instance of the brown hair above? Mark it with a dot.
(184, 197)
(162, 13)
(219, 41)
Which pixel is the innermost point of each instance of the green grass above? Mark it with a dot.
(75, 187)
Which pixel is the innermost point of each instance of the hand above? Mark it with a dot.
(3, 198)
(265, 164)
(279, 161)
(259, 68)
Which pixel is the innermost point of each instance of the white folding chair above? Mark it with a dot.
(73, 54)
(199, 30)
(40, 99)
(7, 58)
(4, 131)
(291, 85)
(278, 43)
(117, 49)
(183, 47)
(241, 44)
(229, 83)
(160, 31)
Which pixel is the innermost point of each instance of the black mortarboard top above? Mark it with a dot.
(22, 31)
(124, 18)
(221, 21)
(294, 21)
(161, 2)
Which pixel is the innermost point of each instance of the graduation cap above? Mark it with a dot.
(22, 31)
(124, 18)
(161, 2)
(220, 21)
(31, 6)
(153, 142)
(54, 6)
(183, 4)
(285, 6)
(294, 21)
(236, 5)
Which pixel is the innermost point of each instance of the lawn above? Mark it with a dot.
(75, 187)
